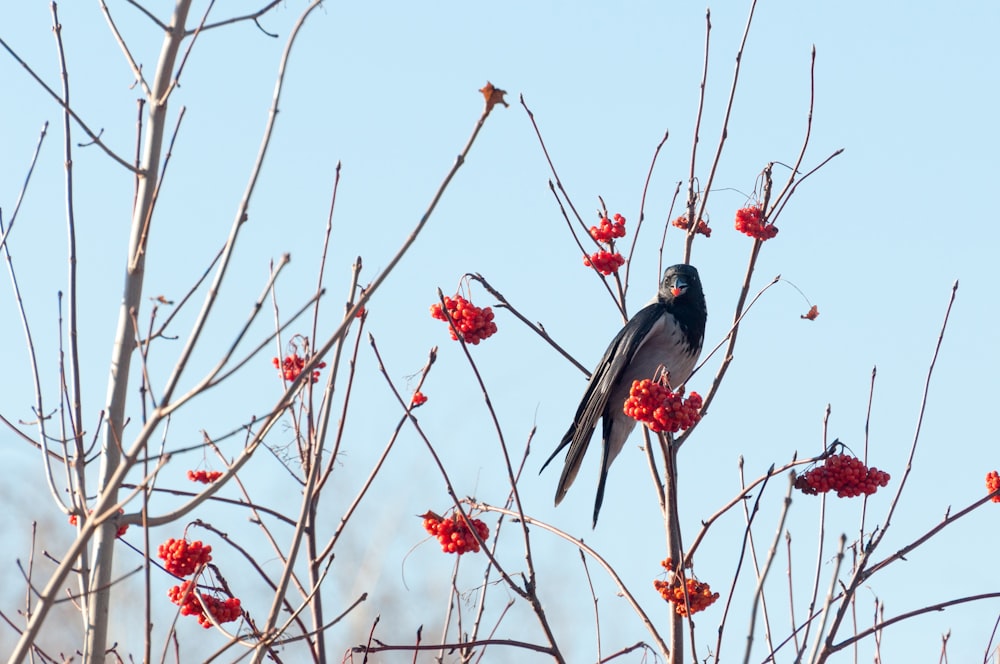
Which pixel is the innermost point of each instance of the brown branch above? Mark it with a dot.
(538, 329)
(940, 606)
(642, 214)
(94, 138)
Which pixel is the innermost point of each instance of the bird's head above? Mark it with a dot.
(679, 282)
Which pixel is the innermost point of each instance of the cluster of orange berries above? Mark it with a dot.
(607, 261)
(292, 365)
(992, 484)
(699, 595)
(702, 227)
(846, 475)
(609, 230)
(661, 409)
(182, 558)
(122, 529)
(454, 532)
(750, 221)
(419, 399)
(204, 476)
(604, 262)
(223, 610)
(472, 322)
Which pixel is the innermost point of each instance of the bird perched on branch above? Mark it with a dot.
(667, 332)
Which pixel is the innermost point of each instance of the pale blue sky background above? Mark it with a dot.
(875, 239)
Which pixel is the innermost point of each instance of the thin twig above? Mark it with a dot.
(642, 214)
(94, 138)
(622, 589)
(817, 655)
(538, 329)
(693, 219)
(762, 575)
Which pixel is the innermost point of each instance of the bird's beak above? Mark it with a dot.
(679, 287)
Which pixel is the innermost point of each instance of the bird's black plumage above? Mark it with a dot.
(666, 332)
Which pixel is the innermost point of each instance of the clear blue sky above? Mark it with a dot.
(875, 240)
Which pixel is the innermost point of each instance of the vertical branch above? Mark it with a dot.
(126, 336)
(675, 547)
(79, 486)
(819, 655)
(104, 534)
(692, 199)
(762, 576)
(693, 219)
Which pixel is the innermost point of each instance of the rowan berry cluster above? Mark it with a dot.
(846, 475)
(750, 221)
(223, 610)
(181, 557)
(699, 595)
(702, 227)
(472, 322)
(661, 409)
(122, 529)
(992, 484)
(419, 399)
(609, 230)
(454, 532)
(292, 365)
(604, 262)
(204, 476)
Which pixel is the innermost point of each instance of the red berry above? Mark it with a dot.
(660, 409)
(454, 533)
(473, 323)
(846, 475)
(699, 595)
(992, 484)
(609, 230)
(604, 262)
(292, 365)
(204, 476)
(702, 227)
(223, 610)
(750, 221)
(182, 558)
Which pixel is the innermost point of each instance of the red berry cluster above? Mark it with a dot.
(607, 261)
(702, 227)
(750, 221)
(604, 262)
(454, 533)
(846, 475)
(419, 399)
(992, 484)
(292, 365)
(122, 529)
(223, 610)
(661, 409)
(204, 476)
(473, 323)
(181, 557)
(699, 595)
(609, 230)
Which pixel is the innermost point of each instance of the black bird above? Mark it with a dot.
(668, 331)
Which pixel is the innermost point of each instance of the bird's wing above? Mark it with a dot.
(608, 372)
